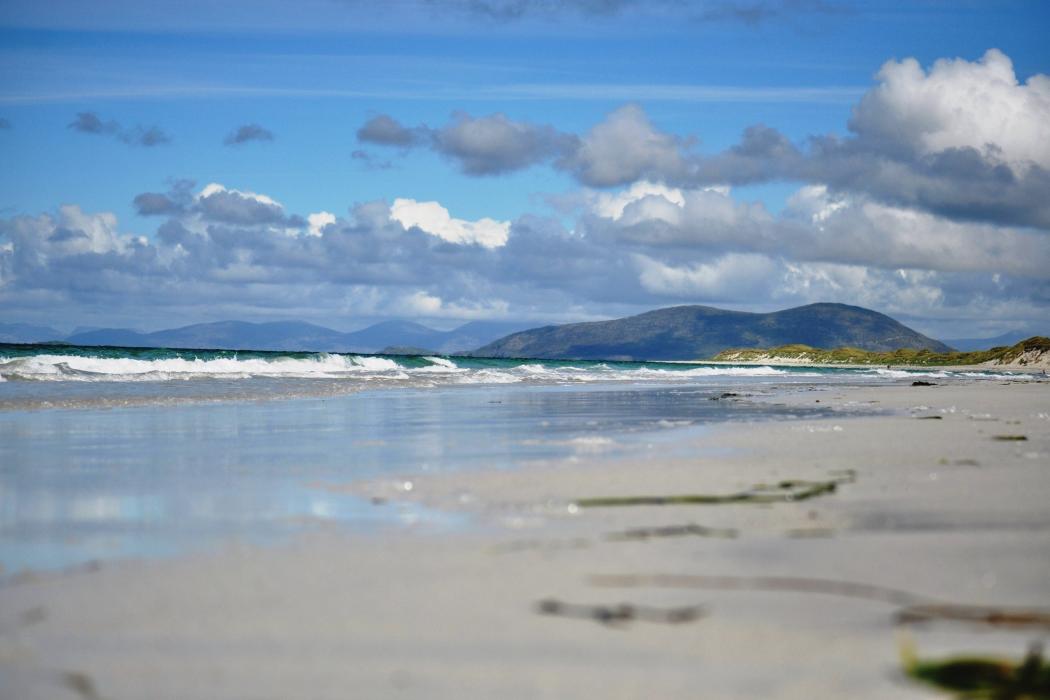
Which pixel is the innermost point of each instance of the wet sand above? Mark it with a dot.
(933, 506)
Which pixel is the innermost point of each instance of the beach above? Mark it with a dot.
(520, 591)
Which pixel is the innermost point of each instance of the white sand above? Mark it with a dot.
(938, 508)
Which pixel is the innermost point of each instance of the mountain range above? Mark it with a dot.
(694, 332)
(281, 335)
(675, 333)
(1005, 340)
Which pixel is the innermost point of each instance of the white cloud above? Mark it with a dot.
(426, 305)
(816, 203)
(624, 148)
(318, 221)
(960, 104)
(610, 205)
(215, 188)
(731, 277)
(434, 219)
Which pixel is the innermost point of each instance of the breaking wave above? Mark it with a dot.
(74, 364)
(50, 363)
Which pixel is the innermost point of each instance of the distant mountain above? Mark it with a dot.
(123, 337)
(297, 336)
(26, 333)
(285, 335)
(693, 332)
(1005, 340)
(405, 334)
(477, 333)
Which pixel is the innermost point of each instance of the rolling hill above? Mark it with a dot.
(694, 332)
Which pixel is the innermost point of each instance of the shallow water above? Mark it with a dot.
(86, 484)
(109, 453)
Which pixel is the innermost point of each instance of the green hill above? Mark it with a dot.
(692, 332)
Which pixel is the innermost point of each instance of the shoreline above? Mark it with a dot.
(938, 508)
(795, 364)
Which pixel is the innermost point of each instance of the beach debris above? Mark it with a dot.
(919, 382)
(33, 616)
(725, 395)
(689, 529)
(982, 677)
(1010, 438)
(929, 417)
(81, 684)
(620, 613)
(975, 614)
(793, 584)
(786, 491)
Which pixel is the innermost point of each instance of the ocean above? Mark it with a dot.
(109, 453)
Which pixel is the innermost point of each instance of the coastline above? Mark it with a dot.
(938, 508)
(796, 363)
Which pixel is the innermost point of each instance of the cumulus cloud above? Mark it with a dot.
(611, 205)
(963, 140)
(488, 145)
(728, 278)
(155, 204)
(384, 130)
(247, 133)
(621, 149)
(91, 123)
(178, 199)
(435, 220)
(624, 148)
(225, 250)
(217, 203)
(318, 221)
(495, 144)
(959, 104)
(818, 225)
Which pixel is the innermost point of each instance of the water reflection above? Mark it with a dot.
(101, 483)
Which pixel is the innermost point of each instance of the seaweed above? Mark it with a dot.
(786, 491)
(997, 617)
(81, 684)
(644, 533)
(980, 677)
(1010, 438)
(621, 613)
(795, 584)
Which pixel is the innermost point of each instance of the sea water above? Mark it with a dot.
(108, 453)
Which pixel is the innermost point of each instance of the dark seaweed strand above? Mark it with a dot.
(782, 492)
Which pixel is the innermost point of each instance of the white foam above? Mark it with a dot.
(441, 362)
(77, 368)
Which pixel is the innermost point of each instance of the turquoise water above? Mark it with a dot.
(108, 453)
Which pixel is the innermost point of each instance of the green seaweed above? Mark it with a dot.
(787, 491)
(1010, 438)
(980, 677)
(621, 613)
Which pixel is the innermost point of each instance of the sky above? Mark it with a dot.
(344, 162)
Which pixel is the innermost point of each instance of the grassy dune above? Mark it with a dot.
(1031, 351)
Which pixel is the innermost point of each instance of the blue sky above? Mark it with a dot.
(500, 104)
